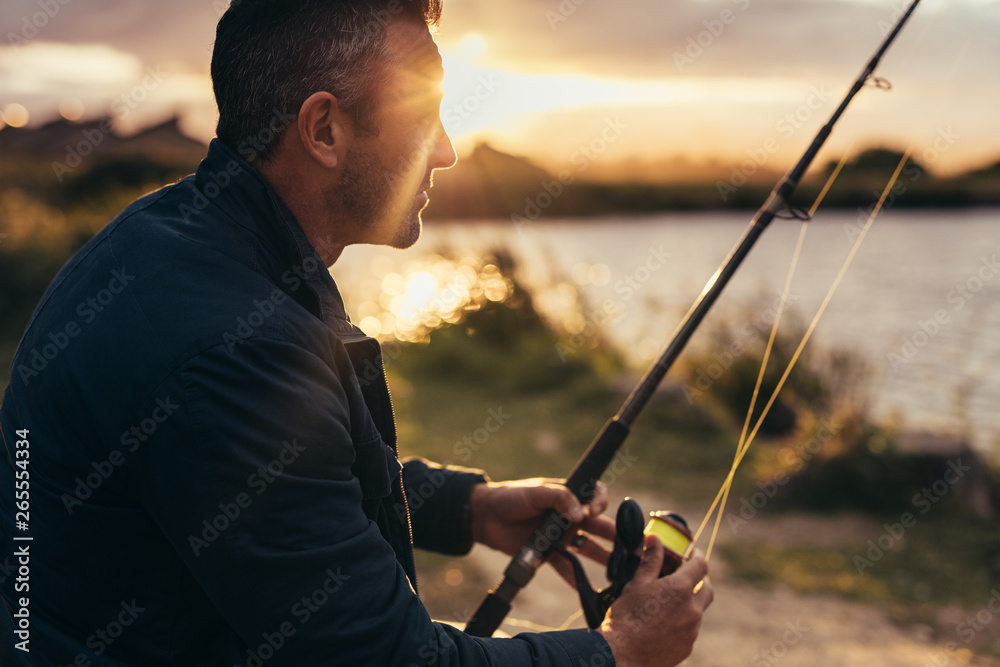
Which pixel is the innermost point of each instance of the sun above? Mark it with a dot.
(472, 45)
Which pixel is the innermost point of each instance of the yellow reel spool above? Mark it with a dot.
(675, 536)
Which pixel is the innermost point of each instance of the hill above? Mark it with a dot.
(62, 161)
(488, 184)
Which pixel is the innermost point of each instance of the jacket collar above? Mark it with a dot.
(242, 193)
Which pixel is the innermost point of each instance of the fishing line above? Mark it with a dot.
(746, 441)
(809, 330)
(743, 445)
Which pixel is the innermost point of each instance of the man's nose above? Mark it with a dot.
(443, 155)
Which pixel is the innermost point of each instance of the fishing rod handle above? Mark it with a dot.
(582, 482)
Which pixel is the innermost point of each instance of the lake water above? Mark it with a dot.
(921, 299)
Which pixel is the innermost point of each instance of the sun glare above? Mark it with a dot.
(15, 115)
(472, 45)
(408, 303)
(71, 108)
(483, 103)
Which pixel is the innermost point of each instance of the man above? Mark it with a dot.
(212, 468)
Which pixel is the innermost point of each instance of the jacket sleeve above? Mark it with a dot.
(438, 496)
(252, 486)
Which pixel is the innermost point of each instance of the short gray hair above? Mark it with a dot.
(271, 55)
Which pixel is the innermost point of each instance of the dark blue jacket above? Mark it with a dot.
(211, 459)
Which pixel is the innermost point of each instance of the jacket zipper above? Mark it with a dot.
(402, 487)
(409, 527)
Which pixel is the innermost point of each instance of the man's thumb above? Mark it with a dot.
(652, 558)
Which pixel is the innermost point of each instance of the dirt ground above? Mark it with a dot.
(752, 626)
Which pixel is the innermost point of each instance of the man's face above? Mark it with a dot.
(386, 177)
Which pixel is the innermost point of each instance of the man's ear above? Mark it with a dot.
(323, 129)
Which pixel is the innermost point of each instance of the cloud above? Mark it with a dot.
(105, 79)
(46, 65)
(180, 31)
(728, 37)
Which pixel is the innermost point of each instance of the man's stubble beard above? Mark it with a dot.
(367, 193)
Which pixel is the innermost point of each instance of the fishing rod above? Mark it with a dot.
(583, 479)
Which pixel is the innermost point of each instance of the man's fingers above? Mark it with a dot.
(601, 526)
(704, 593)
(558, 497)
(599, 502)
(652, 560)
(588, 548)
(693, 570)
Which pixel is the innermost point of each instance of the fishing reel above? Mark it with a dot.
(626, 555)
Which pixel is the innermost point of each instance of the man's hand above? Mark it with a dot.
(505, 514)
(656, 619)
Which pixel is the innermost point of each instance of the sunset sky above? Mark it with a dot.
(669, 85)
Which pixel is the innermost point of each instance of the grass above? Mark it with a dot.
(544, 435)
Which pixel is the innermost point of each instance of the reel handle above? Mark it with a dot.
(627, 554)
